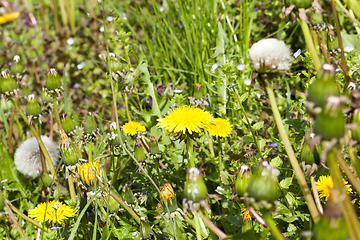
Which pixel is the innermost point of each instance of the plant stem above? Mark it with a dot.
(275, 231)
(211, 147)
(257, 217)
(350, 215)
(248, 123)
(347, 12)
(189, 148)
(310, 44)
(212, 226)
(90, 151)
(323, 49)
(71, 187)
(354, 159)
(354, 181)
(11, 126)
(219, 155)
(56, 112)
(316, 195)
(127, 208)
(127, 107)
(290, 152)
(13, 220)
(197, 226)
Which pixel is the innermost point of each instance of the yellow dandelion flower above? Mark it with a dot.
(220, 128)
(87, 172)
(53, 211)
(131, 128)
(324, 184)
(186, 119)
(8, 17)
(246, 217)
(167, 192)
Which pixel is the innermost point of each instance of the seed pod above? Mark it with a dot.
(53, 80)
(69, 155)
(197, 91)
(139, 151)
(33, 107)
(114, 63)
(46, 179)
(8, 85)
(332, 42)
(17, 66)
(90, 128)
(243, 179)
(195, 189)
(67, 123)
(309, 157)
(262, 190)
(46, 96)
(331, 122)
(112, 134)
(323, 86)
(154, 147)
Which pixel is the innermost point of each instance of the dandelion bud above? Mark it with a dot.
(33, 107)
(323, 86)
(145, 229)
(197, 91)
(114, 63)
(356, 120)
(139, 151)
(195, 189)
(316, 17)
(90, 128)
(67, 123)
(309, 156)
(331, 122)
(46, 179)
(46, 97)
(154, 147)
(262, 190)
(243, 179)
(8, 85)
(113, 135)
(246, 218)
(332, 225)
(88, 171)
(168, 194)
(332, 42)
(53, 81)
(68, 152)
(17, 66)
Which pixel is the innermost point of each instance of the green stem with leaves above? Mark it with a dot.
(290, 152)
(310, 44)
(190, 154)
(271, 224)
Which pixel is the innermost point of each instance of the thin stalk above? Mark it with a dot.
(290, 152)
(26, 218)
(316, 195)
(354, 159)
(41, 144)
(197, 227)
(127, 107)
(51, 136)
(212, 226)
(13, 220)
(64, 16)
(191, 222)
(42, 12)
(257, 217)
(248, 123)
(350, 215)
(127, 208)
(310, 44)
(354, 181)
(275, 231)
(71, 187)
(219, 155)
(11, 124)
(189, 149)
(323, 49)
(56, 17)
(56, 112)
(90, 151)
(347, 12)
(204, 150)
(211, 147)
(338, 33)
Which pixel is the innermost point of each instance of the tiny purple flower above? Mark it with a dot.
(273, 144)
(215, 66)
(10, 64)
(180, 26)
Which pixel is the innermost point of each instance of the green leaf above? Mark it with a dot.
(257, 126)
(244, 96)
(247, 139)
(285, 183)
(276, 162)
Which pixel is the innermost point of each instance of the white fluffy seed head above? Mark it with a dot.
(27, 157)
(270, 54)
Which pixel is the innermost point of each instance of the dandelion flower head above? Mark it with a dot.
(270, 54)
(324, 184)
(52, 211)
(167, 192)
(246, 217)
(131, 128)
(28, 159)
(186, 119)
(8, 17)
(220, 128)
(87, 172)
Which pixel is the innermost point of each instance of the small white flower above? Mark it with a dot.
(27, 157)
(247, 82)
(297, 53)
(124, 16)
(270, 54)
(80, 65)
(178, 91)
(215, 66)
(16, 58)
(162, 8)
(102, 29)
(348, 48)
(240, 67)
(70, 41)
(109, 18)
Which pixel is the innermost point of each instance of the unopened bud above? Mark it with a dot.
(67, 123)
(139, 151)
(195, 189)
(243, 179)
(53, 80)
(46, 179)
(8, 85)
(17, 66)
(33, 107)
